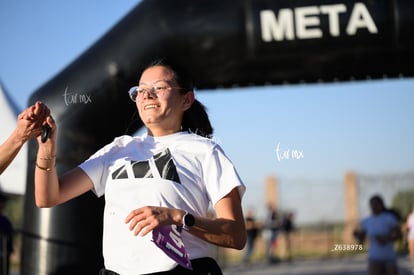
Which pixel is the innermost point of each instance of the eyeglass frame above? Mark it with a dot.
(151, 90)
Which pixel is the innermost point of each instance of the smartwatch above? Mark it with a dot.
(188, 221)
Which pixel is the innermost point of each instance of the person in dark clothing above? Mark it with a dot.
(287, 228)
(6, 238)
(382, 228)
(252, 232)
(274, 225)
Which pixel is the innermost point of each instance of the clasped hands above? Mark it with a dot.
(31, 120)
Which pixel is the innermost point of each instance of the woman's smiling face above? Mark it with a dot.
(160, 103)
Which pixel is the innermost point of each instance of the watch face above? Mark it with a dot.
(189, 220)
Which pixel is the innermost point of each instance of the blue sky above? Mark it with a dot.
(363, 126)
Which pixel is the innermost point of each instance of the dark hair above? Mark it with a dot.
(378, 199)
(195, 119)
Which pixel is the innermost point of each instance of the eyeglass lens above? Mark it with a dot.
(139, 91)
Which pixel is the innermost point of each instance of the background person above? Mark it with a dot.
(287, 228)
(252, 231)
(382, 228)
(165, 179)
(273, 224)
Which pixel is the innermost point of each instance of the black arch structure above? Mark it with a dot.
(221, 44)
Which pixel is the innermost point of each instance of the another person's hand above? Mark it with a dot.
(29, 125)
(31, 121)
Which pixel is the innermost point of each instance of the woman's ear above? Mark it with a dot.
(188, 100)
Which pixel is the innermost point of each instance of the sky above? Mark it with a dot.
(306, 135)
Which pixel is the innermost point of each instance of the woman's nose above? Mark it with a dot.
(149, 93)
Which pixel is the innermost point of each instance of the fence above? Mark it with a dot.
(323, 228)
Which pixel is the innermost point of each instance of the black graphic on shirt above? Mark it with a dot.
(141, 169)
(120, 173)
(163, 161)
(166, 166)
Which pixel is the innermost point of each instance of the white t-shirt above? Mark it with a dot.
(181, 170)
(380, 225)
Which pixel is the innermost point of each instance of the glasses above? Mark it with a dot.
(156, 90)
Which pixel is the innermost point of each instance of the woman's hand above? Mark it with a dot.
(227, 229)
(143, 220)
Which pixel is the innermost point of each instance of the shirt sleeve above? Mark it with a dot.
(95, 168)
(221, 176)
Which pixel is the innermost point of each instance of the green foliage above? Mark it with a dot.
(403, 202)
(14, 211)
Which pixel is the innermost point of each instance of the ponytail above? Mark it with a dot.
(195, 120)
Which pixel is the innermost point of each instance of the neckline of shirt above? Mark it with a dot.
(162, 139)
